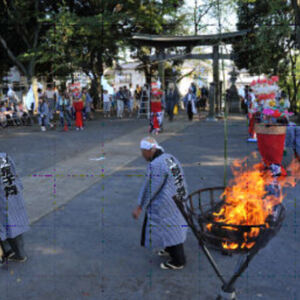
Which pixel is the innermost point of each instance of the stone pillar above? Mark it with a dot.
(233, 95)
(211, 96)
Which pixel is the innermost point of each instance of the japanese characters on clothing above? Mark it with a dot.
(13, 217)
(165, 226)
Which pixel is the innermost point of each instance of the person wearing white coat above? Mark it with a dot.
(164, 226)
(190, 104)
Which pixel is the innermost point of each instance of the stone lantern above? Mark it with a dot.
(232, 96)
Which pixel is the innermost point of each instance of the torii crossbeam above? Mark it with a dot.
(214, 40)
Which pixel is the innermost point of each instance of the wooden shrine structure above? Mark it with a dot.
(160, 43)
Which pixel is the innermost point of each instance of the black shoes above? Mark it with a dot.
(16, 258)
(163, 253)
(170, 266)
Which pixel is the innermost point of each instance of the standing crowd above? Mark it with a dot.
(69, 105)
(74, 107)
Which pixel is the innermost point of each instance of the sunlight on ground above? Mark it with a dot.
(48, 250)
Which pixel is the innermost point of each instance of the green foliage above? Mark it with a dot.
(270, 37)
(269, 48)
(82, 38)
(57, 38)
(155, 17)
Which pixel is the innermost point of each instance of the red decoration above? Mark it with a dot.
(251, 130)
(78, 106)
(266, 96)
(155, 108)
(276, 113)
(271, 147)
(156, 93)
(270, 141)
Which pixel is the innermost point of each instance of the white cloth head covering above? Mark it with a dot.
(148, 143)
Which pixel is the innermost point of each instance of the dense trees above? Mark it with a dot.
(58, 38)
(270, 47)
(21, 29)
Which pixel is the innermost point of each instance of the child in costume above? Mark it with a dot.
(78, 107)
(156, 115)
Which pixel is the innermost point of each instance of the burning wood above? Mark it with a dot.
(251, 204)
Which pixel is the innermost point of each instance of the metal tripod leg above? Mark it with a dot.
(242, 266)
(212, 261)
(228, 294)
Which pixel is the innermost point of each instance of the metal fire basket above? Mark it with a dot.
(198, 209)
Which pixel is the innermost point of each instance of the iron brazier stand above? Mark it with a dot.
(198, 209)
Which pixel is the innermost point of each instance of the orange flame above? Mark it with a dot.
(247, 200)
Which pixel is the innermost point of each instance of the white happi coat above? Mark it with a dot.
(165, 224)
(13, 217)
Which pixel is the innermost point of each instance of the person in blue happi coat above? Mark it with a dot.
(64, 106)
(164, 226)
(13, 217)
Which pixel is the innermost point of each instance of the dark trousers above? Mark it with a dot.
(16, 245)
(190, 111)
(170, 111)
(177, 254)
(66, 117)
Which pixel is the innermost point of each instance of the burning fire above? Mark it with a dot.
(250, 198)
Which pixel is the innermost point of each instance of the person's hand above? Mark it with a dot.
(136, 213)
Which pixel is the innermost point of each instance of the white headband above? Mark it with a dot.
(147, 145)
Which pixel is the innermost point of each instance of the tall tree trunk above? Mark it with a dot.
(195, 18)
(293, 61)
(147, 75)
(95, 90)
(100, 74)
(296, 7)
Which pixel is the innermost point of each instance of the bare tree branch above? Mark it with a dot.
(21, 31)
(12, 56)
(185, 75)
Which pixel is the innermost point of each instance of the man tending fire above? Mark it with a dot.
(164, 226)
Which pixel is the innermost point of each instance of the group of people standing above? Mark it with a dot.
(124, 98)
(70, 105)
(77, 106)
(169, 102)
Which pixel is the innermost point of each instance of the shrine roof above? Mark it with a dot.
(188, 41)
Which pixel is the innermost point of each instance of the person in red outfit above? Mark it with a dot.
(78, 106)
(156, 112)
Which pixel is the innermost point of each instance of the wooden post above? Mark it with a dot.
(220, 97)
(216, 76)
(211, 96)
(161, 68)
